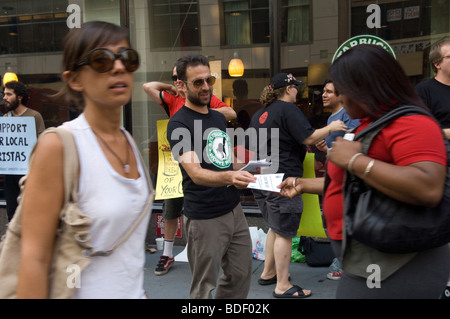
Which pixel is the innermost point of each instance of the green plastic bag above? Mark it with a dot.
(296, 256)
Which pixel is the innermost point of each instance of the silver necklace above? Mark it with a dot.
(126, 165)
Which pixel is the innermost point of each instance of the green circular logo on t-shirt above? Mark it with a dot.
(218, 149)
(362, 39)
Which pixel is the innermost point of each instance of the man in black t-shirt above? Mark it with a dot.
(217, 231)
(435, 92)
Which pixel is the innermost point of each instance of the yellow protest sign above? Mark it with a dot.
(169, 180)
(311, 223)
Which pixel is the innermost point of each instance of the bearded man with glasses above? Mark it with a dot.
(217, 231)
(172, 99)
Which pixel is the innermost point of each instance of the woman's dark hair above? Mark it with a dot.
(19, 90)
(78, 42)
(372, 77)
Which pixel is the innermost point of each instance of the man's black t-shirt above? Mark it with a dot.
(292, 127)
(436, 96)
(205, 134)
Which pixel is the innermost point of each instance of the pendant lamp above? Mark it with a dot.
(236, 67)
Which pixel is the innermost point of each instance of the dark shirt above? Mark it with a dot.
(206, 135)
(286, 123)
(436, 96)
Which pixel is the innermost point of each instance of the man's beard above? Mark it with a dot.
(195, 99)
(11, 106)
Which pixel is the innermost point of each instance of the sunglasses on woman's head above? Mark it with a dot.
(197, 83)
(102, 60)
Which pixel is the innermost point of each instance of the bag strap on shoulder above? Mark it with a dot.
(368, 134)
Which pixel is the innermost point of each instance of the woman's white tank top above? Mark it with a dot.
(113, 202)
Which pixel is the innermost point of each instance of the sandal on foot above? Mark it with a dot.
(290, 293)
(271, 281)
(265, 282)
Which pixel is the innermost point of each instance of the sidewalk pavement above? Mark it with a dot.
(176, 283)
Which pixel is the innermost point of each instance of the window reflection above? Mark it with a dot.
(29, 26)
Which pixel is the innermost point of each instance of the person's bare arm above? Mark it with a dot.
(323, 132)
(153, 90)
(421, 183)
(227, 111)
(42, 202)
(295, 186)
(205, 177)
(447, 133)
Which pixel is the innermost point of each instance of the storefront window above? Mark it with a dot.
(247, 21)
(295, 21)
(32, 26)
(403, 19)
(410, 27)
(174, 23)
(31, 45)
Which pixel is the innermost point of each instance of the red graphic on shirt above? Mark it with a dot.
(263, 117)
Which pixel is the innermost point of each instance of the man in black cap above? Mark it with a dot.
(286, 134)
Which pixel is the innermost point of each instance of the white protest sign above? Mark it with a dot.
(17, 138)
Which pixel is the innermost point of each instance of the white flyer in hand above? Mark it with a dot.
(253, 165)
(267, 182)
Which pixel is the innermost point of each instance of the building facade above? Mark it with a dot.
(269, 36)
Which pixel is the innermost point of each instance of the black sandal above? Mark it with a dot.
(290, 293)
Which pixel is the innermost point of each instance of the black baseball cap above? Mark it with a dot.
(283, 79)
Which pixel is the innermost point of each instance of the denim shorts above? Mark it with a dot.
(281, 214)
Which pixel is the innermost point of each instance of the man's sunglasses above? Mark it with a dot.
(102, 60)
(197, 83)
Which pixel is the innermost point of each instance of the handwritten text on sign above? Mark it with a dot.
(17, 138)
(169, 181)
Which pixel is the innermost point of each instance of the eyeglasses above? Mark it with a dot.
(174, 78)
(102, 60)
(197, 83)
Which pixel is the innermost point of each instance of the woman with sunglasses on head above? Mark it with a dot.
(113, 185)
(282, 215)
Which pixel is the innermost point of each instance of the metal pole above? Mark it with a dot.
(275, 37)
(125, 22)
